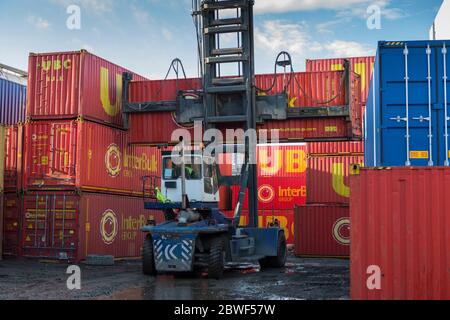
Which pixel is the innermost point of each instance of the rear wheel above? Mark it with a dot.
(148, 260)
(216, 259)
(280, 260)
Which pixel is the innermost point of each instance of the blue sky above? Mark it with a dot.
(144, 35)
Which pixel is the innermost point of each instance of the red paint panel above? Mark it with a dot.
(67, 85)
(13, 158)
(86, 155)
(401, 229)
(336, 148)
(77, 225)
(322, 230)
(11, 224)
(285, 218)
(328, 178)
(363, 66)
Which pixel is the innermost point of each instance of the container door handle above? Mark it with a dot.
(422, 118)
(399, 119)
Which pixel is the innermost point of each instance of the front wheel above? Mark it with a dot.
(148, 259)
(216, 259)
(280, 260)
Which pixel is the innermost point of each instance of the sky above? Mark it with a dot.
(145, 35)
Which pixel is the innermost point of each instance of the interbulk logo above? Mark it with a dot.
(113, 162)
(266, 193)
(109, 227)
(341, 231)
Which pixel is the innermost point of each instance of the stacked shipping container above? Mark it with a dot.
(322, 226)
(82, 180)
(13, 93)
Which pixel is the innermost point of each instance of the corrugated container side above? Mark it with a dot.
(13, 158)
(328, 178)
(13, 97)
(1, 225)
(11, 224)
(2, 157)
(400, 234)
(362, 66)
(322, 231)
(86, 155)
(281, 177)
(67, 85)
(336, 148)
(75, 226)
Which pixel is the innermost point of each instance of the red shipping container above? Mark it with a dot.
(328, 178)
(13, 158)
(400, 234)
(281, 177)
(85, 155)
(322, 231)
(67, 85)
(363, 66)
(11, 224)
(336, 148)
(72, 226)
(285, 219)
(157, 128)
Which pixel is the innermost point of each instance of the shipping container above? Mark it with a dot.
(408, 105)
(281, 177)
(158, 128)
(328, 178)
(2, 157)
(1, 225)
(13, 97)
(267, 218)
(68, 85)
(85, 155)
(322, 230)
(400, 234)
(11, 224)
(363, 66)
(13, 158)
(336, 148)
(73, 226)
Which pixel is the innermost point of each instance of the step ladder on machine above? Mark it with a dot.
(230, 99)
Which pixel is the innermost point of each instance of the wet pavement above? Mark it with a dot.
(309, 279)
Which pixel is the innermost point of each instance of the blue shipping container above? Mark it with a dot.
(13, 97)
(407, 116)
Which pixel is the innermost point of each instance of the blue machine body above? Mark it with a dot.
(407, 116)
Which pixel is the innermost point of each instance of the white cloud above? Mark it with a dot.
(92, 6)
(340, 48)
(39, 22)
(277, 6)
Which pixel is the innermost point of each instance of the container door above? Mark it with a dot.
(409, 106)
(63, 149)
(50, 226)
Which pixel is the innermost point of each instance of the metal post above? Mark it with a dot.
(408, 160)
(446, 118)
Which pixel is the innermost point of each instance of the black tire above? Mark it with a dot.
(148, 260)
(280, 260)
(216, 259)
